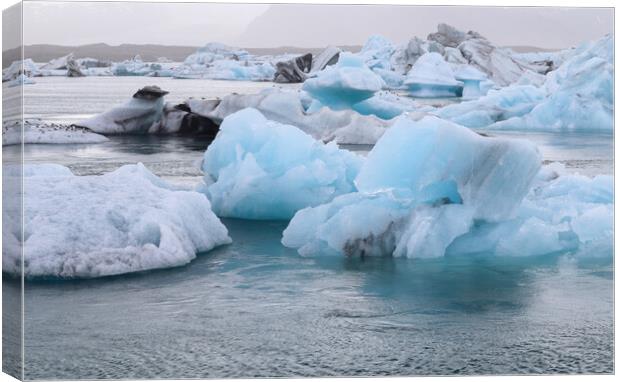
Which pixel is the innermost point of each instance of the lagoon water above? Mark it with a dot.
(257, 309)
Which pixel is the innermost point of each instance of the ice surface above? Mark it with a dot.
(432, 76)
(125, 221)
(36, 131)
(348, 82)
(261, 169)
(424, 184)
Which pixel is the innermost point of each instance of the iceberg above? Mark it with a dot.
(37, 131)
(377, 52)
(298, 69)
(347, 83)
(228, 70)
(562, 212)
(431, 76)
(134, 67)
(423, 185)
(497, 105)
(261, 169)
(25, 67)
(287, 107)
(140, 114)
(293, 70)
(214, 51)
(221, 62)
(125, 221)
(472, 80)
(579, 94)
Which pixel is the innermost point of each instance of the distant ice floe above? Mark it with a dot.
(261, 169)
(221, 62)
(431, 187)
(36, 131)
(125, 221)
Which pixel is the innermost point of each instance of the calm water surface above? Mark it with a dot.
(257, 309)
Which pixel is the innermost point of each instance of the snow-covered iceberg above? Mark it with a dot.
(261, 169)
(140, 114)
(37, 131)
(424, 184)
(344, 84)
(431, 76)
(125, 221)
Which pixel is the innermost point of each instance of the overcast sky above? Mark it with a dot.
(264, 25)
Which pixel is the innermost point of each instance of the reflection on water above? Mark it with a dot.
(257, 309)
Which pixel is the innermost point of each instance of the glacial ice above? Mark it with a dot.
(472, 79)
(431, 76)
(221, 62)
(261, 169)
(579, 93)
(214, 51)
(348, 82)
(562, 212)
(229, 70)
(128, 220)
(26, 67)
(424, 184)
(133, 67)
(497, 105)
(376, 52)
(287, 107)
(138, 115)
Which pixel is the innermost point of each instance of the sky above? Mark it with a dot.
(274, 25)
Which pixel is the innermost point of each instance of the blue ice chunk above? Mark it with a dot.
(262, 169)
(348, 82)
